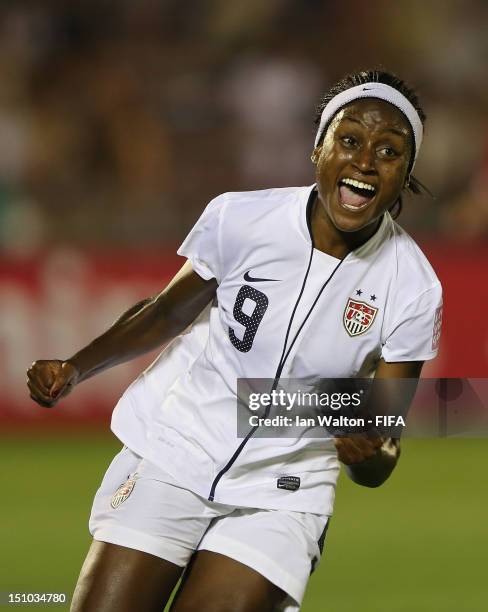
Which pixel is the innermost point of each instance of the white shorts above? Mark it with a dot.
(142, 507)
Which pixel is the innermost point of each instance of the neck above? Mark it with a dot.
(334, 242)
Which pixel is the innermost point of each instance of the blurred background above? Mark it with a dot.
(119, 121)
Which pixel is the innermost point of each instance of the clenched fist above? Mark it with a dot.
(356, 448)
(51, 379)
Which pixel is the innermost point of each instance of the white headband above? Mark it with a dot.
(374, 90)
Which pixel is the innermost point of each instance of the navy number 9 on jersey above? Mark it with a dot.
(250, 322)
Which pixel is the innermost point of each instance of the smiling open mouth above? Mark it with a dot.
(355, 195)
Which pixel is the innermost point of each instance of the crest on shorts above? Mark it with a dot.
(123, 493)
(358, 317)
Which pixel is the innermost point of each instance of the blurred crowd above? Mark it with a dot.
(119, 120)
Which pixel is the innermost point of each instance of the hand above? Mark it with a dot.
(356, 448)
(50, 380)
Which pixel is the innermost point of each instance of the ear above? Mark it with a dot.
(316, 154)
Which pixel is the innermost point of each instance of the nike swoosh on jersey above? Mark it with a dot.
(251, 279)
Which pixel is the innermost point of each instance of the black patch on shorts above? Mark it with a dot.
(290, 483)
(321, 541)
(320, 544)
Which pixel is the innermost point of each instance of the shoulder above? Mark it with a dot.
(413, 308)
(261, 199)
(412, 267)
(263, 219)
(249, 215)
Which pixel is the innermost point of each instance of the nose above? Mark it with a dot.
(365, 160)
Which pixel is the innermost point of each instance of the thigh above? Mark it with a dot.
(118, 579)
(216, 583)
(145, 530)
(281, 545)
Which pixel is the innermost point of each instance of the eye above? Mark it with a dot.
(388, 152)
(349, 141)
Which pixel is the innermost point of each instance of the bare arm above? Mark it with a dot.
(144, 327)
(133, 310)
(370, 461)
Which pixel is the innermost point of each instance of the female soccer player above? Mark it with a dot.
(304, 282)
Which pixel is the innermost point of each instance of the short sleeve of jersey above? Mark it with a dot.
(202, 245)
(414, 334)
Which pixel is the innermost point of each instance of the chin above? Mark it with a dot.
(352, 221)
(350, 225)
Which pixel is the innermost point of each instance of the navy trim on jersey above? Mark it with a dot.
(284, 355)
(286, 351)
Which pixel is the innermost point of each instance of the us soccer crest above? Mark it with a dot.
(123, 493)
(358, 317)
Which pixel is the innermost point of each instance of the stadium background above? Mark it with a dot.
(118, 122)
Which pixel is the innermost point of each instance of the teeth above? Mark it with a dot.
(358, 184)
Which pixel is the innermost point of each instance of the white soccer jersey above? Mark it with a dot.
(284, 310)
